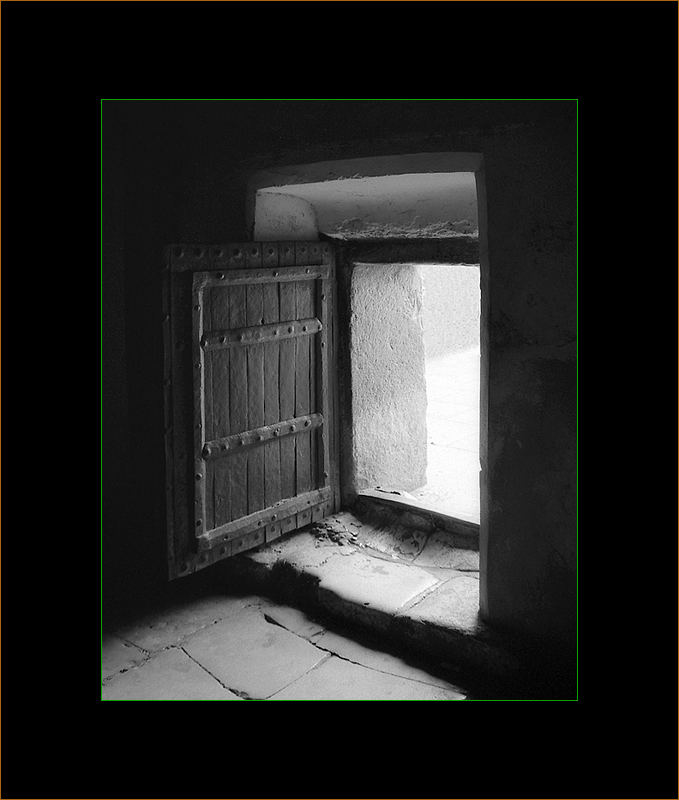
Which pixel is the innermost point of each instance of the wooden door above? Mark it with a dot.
(250, 396)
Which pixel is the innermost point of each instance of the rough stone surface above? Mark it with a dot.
(375, 583)
(117, 656)
(376, 659)
(292, 619)
(455, 604)
(170, 626)
(250, 655)
(440, 552)
(387, 377)
(336, 679)
(170, 675)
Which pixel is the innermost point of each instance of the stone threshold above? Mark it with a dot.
(464, 531)
(414, 591)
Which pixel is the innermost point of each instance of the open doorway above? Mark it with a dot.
(451, 307)
(415, 376)
(397, 224)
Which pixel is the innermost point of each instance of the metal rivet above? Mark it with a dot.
(325, 474)
(322, 344)
(242, 337)
(306, 423)
(273, 517)
(225, 445)
(292, 427)
(242, 441)
(222, 339)
(304, 328)
(271, 251)
(275, 274)
(221, 276)
(198, 365)
(219, 253)
(199, 522)
(196, 308)
(276, 432)
(260, 522)
(322, 297)
(275, 333)
(308, 271)
(260, 437)
(290, 329)
(198, 476)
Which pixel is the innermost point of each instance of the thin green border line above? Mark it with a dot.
(101, 391)
(101, 377)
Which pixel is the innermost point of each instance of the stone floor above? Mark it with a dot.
(453, 435)
(249, 648)
(361, 611)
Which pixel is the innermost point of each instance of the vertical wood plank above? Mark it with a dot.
(272, 455)
(286, 374)
(302, 399)
(324, 433)
(238, 406)
(255, 366)
(208, 431)
(218, 476)
(182, 417)
(314, 404)
(198, 372)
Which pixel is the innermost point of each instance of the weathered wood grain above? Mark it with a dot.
(304, 291)
(220, 406)
(238, 406)
(286, 382)
(255, 363)
(272, 453)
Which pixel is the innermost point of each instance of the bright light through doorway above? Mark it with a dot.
(450, 319)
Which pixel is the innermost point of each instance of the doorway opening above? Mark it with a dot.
(451, 307)
(415, 364)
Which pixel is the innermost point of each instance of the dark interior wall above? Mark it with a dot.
(183, 176)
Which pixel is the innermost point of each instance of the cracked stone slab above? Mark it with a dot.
(377, 660)
(172, 625)
(253, 656)
(440, 551)
(169, 675)
(373, 582)
(117, 656)
(293, 619)
(336, 679)
(454, 604)
(301, 550)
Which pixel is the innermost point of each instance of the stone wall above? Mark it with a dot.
(451, 308)
(389, 399)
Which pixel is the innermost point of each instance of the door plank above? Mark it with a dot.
(304, 290)
(272, 451)
(255, 364)
(286, 378)
(238, 406)
(220, 362)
